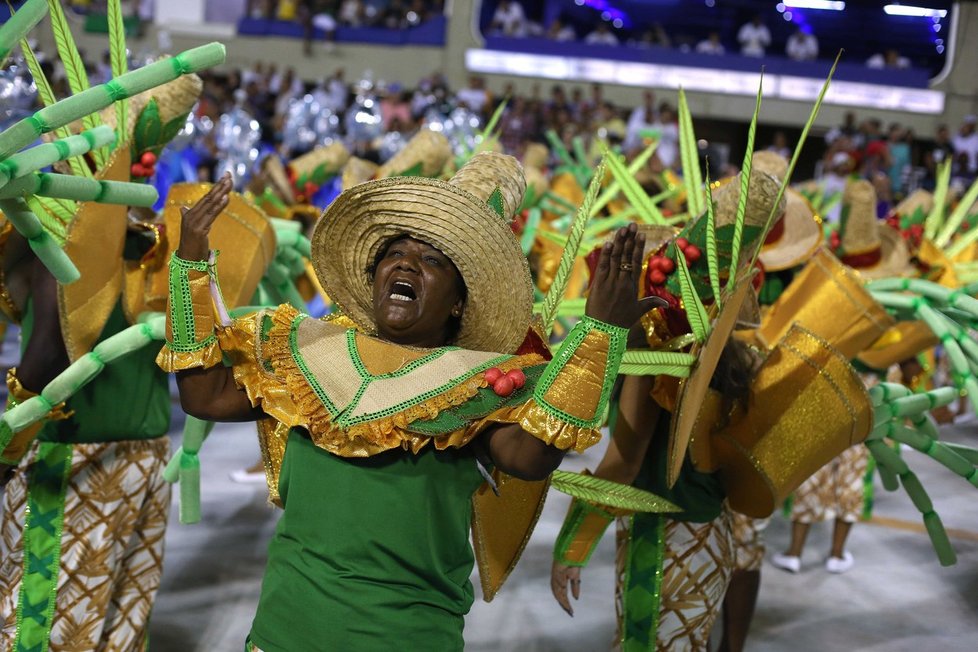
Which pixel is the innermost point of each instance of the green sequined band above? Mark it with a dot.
(618, 338)
(579, 512)
(181, 313)
(47, 483)
(642, 590)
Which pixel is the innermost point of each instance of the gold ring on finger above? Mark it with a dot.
(626, 267)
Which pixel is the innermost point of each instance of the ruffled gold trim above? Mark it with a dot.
(169, 360)
(551, 430)
(285, 394)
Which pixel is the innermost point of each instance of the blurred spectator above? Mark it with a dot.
(668, 131)
(655, 36)
(942, 150)
(754, 37)
(518, 125)
(898, 144)
(802, 45)
(965, 144)
(353, 13)
(847, 128)
(509, 19)
(711, 45)
(601, 35)
(641, 120)
(608, 130)
(889, 59)
(838, 166)
(474, 96)
(558, 31)
(394, 16)
(333, 92)
(318, 14)
(395, 109)
(779, 145)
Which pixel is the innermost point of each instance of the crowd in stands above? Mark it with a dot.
(892, 157)
(753, 38)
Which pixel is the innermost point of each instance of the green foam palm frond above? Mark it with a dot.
(647, 211)
(574, 238)
(797, 151)
(957, 216)
(935, 218)
(963, 243)
(46, 94)
(120, 64)
(614, 187)
(676, 371)
(689, 157)
(745, 170)
(53, 214)
(712, 254)
(696, 313)
(608, 493)
(640, 357)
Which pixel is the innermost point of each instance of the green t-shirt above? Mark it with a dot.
(130, 399)
(370, 554)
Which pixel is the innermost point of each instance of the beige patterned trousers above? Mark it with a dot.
(116, 507)
(835, 491)
(696, 570)
(748, 541)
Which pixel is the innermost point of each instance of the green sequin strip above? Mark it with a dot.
(182, 323)
(641, 595)
(565, 355)
(47, 482)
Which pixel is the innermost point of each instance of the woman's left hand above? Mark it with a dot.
(614, 293)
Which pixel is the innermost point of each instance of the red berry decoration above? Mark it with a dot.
(138, 170)
(148, 159)
(517, 376)
(682, 243)
(668, 265)
(504, 386)
(692, 253)
(657, 277)
(492, 375)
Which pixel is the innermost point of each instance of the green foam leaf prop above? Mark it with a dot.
(567, 258)
(613, 188)
(696, 313)
(119, 61)
(957, 216)
(689, 157)
(647, 211)
(712, 254)
(19, 24)
(745, 170)
(611, 494)
(936, 216)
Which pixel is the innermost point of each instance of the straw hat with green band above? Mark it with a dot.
(868, 245)
(467, 218)
(425, 155)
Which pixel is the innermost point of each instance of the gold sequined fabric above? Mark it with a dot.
(576, 390)
(807, 406)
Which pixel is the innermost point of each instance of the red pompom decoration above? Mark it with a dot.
(517, 376)
(692, 253)
(138, 170)
(492, 375)
(148, 159)
(504, 386)
(682, 243)
(668, 265)
(657, 277)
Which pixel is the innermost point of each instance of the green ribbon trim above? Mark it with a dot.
(568, 349)
(641, 595)
(47, 483)
(182, 318)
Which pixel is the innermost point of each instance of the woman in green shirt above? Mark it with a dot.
(378, 427)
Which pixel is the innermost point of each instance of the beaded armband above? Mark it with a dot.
(571, 397)
(18, 443)
(190, 315)
(582, 530)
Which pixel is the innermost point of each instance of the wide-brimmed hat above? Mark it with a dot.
(794, 238)
(868, 245)
(467, 218)
(919, 202)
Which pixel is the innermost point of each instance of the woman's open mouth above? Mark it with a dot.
(401, 291)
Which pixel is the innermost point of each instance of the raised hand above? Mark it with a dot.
(196, 222)
(560, 576)
(614, 292)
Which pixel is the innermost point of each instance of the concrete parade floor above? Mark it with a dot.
(897, 598)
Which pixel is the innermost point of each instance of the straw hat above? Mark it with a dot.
(467, 218)
(535, 156)
(425, 155)
(174, 100)
(868, 245)
(321, 162)
(918, 200)
(794, 238)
